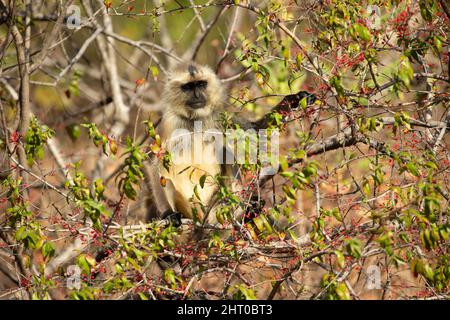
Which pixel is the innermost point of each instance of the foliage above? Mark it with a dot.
(363, 180)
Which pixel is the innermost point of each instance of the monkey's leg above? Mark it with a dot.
(163, 197)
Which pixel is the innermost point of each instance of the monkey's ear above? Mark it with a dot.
(192, 69)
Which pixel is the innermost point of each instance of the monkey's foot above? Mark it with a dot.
(173, 217)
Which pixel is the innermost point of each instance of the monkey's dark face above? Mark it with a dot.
(193, 92)
(196, 94)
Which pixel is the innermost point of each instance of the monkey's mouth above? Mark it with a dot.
(196, 104)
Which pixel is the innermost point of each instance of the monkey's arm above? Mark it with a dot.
(289, 103)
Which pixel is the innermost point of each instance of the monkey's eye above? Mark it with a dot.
(202, 84)
(187, 87)
(193, 85)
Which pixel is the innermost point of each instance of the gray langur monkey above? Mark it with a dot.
(194, 96)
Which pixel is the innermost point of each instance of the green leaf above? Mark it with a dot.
(21, 233)
(259, 223)
(405, 71)
(84, 263)
(438, 43)
(303, 103)
(342, 292)
(411, 167)
(340, 258)
(196, 193)
(426, 10)
(142, 296)
(202, 180)
(73, 131)
(48, 250)
(354, 248)
(335, 82)
(129, 190)
(154, 70)
(287, 174)
(289, 192)
(299, 59)
(363, 32)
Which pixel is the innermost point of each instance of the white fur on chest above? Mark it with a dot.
(195, 153)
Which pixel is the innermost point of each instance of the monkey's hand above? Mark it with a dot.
(254, 209)
(288, 104)
(291, 101)
(173, 217)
